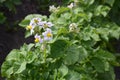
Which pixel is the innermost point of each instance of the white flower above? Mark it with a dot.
(35, 21)
(53, 8)
(73, 27)
(38, 39)
(42, 23)
(43, 46)
(45, 24)
(31, 28)
(49, 24)
(71, 5)
(47, 34)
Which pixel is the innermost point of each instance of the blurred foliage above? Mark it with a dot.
(10, 5)
(2, 18)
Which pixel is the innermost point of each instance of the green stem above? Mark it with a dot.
(44, 52)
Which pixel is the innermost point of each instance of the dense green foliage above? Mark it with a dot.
(79, 50)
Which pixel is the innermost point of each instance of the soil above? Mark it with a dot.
(13, 37)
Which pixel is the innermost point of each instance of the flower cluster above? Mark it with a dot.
(53, 8)
(43, 33)
(73, 27)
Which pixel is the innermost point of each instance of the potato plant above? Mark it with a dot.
(71, 44)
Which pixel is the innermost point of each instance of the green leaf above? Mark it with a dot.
(24, 23)
(107, 65)
(89, 2)
(63, 70)
(73, 76)
(102, 10)
(105, 55)
(114, 32)
(2, 18)
(66, 15)
(95, 37)
(78, 10)
(30, 46)
(21, 68)
(86, 33)
(62, 10)
(31, 56)
(85, 77)
(110, 2)
(86, 37)
(98, 64)
(72, 55)
(83, 54)
(9, 72)
(27, 47)
(62, 31)
(13, 55)
(61, 21)
(86, 2)
(57, 48)
(83, 15)
(7, 69)
(104, 33)
(109, 75)
(27, 34)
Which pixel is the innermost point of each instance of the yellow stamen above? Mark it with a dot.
(36, 40)
(36, 21)
(45, 25)
(49, 34)
(29, 27)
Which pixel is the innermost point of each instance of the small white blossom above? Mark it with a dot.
(71, 5)
(35, 21)
(53, 8)
(73, 27)
(45, 24)
(31, 28)
(43, 46)
(47, 34)
(38, 39)
(49, 24)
